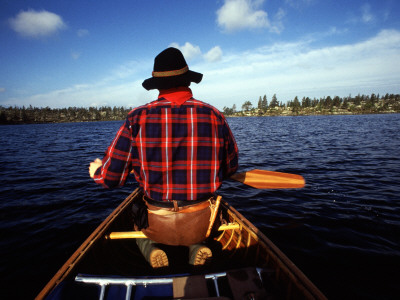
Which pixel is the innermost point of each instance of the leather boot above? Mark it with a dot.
(199, 255)
(156, 257)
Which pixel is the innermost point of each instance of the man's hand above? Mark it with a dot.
(94, 165)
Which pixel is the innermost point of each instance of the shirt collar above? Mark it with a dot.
(177, 95)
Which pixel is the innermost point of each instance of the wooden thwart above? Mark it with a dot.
(141, 235)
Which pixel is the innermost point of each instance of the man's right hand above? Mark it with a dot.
(94, 165)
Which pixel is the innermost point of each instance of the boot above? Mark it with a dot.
(156, 257)
(199, 255)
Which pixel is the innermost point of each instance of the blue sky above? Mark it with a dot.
(97, 53)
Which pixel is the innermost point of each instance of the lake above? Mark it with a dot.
(342, 230)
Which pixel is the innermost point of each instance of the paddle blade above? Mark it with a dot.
(261, 179)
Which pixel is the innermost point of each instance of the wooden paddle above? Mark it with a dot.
(262, 179)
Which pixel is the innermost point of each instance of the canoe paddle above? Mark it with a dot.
(262, 179)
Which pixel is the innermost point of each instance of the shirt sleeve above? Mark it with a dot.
(231, 152)
(117, 160)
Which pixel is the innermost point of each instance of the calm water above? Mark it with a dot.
(342, 229)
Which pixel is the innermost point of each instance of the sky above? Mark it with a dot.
(70, 53)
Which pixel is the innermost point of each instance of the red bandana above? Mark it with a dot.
(176, 95)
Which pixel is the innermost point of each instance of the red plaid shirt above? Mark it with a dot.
(178, 148)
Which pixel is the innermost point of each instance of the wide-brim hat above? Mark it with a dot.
(171, 70)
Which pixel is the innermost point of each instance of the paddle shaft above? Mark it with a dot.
(141, 235)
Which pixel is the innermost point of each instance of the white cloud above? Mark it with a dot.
(364, 16)
(85, 95)
(299, 3)
(277, 24)
(245, 14)
(188, 50)
(36, 24)
(298, 69)
(286, 69)
(127, 70)
(82, 32)
(121, 86)
(215, 54)
(367, 16)
(75, 55)
(191, 51)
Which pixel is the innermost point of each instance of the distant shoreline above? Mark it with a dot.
(228, 116)
(292, 114)
(358, 105)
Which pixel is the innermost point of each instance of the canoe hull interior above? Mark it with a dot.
(243, 248)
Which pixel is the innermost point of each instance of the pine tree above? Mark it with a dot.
(264, 103)
(274, 102)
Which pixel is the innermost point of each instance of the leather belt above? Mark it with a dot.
(170, 203)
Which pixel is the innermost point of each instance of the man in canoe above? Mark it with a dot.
(180, 150)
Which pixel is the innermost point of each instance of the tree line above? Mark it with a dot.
(29, 115)
(359, 104)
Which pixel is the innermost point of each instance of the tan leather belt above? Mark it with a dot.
(172, 203)
(177, 209)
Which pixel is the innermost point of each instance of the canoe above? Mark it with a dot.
(245, 265)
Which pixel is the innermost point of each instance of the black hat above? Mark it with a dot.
(171, 70)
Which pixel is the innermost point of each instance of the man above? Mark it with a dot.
(179, 150)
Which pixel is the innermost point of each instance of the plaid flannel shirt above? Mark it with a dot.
(178, 148)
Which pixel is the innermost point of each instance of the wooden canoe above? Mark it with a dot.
(245, 264)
